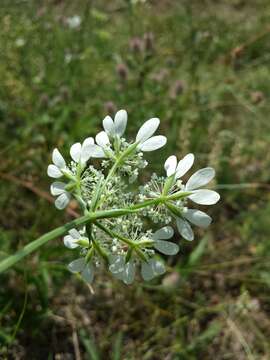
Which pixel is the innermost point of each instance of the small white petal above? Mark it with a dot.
(120, 122)
(75, 234)
(152, 268)
(87, 149)
(158, 267)
(204, 197)
(154, 143)
(75, 152)
(184, 165)
(97, 151)
(197, 217)
(108, 125)
(102, 139)
(164, 233)
(184, 229)
(57, 188)
(62, 201)
(77, 265)
(170, 165)
(129, 273)
(88, 273)
(147, 129)
(58, 159)
(70, 242)
(200, 178)
(166, 247)
(53, 171)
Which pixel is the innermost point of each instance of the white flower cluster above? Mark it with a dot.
(117, 237)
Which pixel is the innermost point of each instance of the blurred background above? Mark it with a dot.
(202, 67)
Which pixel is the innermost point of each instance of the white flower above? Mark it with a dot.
(71, 240)
(161, 244)
(116, 127)
(85, 269)
(63, 197)
(74, 22)
(144, 137)
(180, 169)
(81, 153)
(56, 169)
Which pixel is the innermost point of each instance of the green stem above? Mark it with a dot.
(113, 234)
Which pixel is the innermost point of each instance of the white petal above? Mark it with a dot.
(147, 271)
(120, 122)
(117, 264)
(184, 229)
(53, 171)
(170, 165)
(97, 151)
(197, 217)
(77, 265)
(154, 143)
(62, 201)
(58, 159)
(204, 197)
(147, 129)
(200, 178)
(158, 267)
(102, 139)
(164, 233)
(184, 165)
(108, 125)
(57, 188)
(129, 273)
(75, 152)
(88, 273)
(166, 247)
(86, 151)
(69, 242)
(75, 234)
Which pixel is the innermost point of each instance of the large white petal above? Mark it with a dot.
(184, 165)
(120, 122)
(88, 273)
(117, 264)
(69, 242)
(166, 247)
(97, 151)
(147, 271)
(147, 129)
(57, 188)
(200, 178)
(87, 149)
(102, 139)
(129, 273)
(58, 159)
(108, 125)
(154, 143)
(53, 171)
(62, 201)
(75, 234)
(77, 265)
(170, 165)
(75, 152)
(197, 217)
(204, 197)
(164, 233)
(184, 229)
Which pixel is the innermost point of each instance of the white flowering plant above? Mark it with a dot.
(122, 228)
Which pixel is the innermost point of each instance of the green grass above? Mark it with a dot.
(56, 86)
